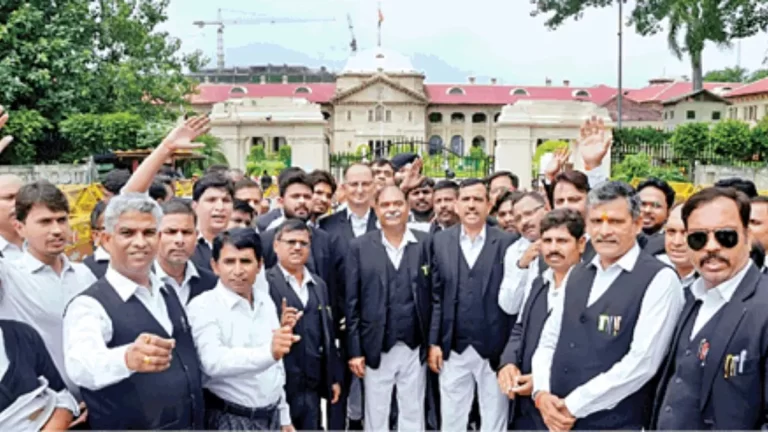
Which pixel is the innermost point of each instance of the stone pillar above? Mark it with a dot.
(309, 152)
(514, 136)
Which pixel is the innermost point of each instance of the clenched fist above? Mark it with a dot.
(149, 353)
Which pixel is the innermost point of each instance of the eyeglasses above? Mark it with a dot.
(526, 214)
(293, 243)
(727, 238)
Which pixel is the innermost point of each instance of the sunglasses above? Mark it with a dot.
(727, 238)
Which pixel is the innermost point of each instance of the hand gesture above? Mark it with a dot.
(554, 412)
(524, 385)
(530, 254)
(357, 366)
(507, 379)
(556, 164)
(336, 389)
(413, 176)
(282, 340)
(290, 315)
(6, 140)
(182, 136)
(435, 358)
(594, 142)
(149, 353)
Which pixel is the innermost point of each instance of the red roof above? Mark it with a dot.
(760, 86)
(214, 93)
(667, 91)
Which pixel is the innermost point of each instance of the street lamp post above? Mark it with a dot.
(621, 35)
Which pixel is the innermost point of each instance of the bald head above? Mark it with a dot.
(10, 180)
(389, 192)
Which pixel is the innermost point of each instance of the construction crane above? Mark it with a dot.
(220, 23)
(353, 42)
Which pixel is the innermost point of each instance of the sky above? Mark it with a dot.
(483, 38)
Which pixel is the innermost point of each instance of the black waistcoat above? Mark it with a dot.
(402, 322)
(168, 400)
(470, 312)
(304, 364)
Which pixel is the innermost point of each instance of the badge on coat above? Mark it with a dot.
(703, 351)
(734, 364)
(609, 324)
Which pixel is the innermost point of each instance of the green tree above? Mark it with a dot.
(732, 138)
(758, 75)
(690, 24)
(74, 57)
(212, 150)
(690, 140)
(639, 166)
(27, 127)
(734, 74)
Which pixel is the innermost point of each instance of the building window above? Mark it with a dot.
(435, 117)
(690, 115)
(410, 116)
(519, 92)
(303, 90)
(716, 115)
(435, 145)
(671, 115)
(388, 116)
(457, 144)
(379, 113)
(455, 91)
(457, 118)
(238, 90)
(370, 115)
(581, 93)
(349, 115)
(479, 118)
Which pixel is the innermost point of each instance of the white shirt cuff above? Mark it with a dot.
(64, 399)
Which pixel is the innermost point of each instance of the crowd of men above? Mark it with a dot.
(387, 301)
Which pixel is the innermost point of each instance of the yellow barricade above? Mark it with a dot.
(80, 243)
(184, 188)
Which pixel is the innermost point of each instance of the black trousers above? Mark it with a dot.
(305, 410)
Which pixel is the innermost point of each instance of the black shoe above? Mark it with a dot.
(355, 425)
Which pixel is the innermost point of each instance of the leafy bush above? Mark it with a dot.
(690, 140)
(733, 138)
(27, 128)
(639, 166)
(284, 155)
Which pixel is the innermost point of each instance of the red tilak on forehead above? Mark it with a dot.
(604, 217)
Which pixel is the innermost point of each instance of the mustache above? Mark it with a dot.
(605, 239)
(555, 255)
(714, 257)
(393, 214)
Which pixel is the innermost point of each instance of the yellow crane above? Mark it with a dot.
(220, 23)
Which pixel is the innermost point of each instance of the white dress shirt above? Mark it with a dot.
(88, 329)
(395, 253)
(359, 224)
(101, 254)
(301, 290)
(471, 248)
(659, 311)
(23, 413)
(234, 343)
(511, 296)
(555, 293)
(182, 290)
(10, 251)
(686, 280)
(713, 299)
(34, 293)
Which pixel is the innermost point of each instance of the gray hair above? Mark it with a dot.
(612, 190)
(130, 202)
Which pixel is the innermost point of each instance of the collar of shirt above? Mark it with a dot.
(200, 237)
(408, 237)
(725, 290)
(355, 218)
(549, 277)
(289, 277)
(101, 254)
(232, 299)
(5, 244)
(33, 265)
(126, 288)
(189, 272)
(465, 237)
(626, 262)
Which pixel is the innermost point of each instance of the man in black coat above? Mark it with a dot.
(313, 367)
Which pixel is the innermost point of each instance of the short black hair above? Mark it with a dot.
(710, 194)
(96, 213)
(217, 168)
(40, 192)
(382, 162)
(512, 196)
(288, 172)
(246, 183)
(157, 191)
(569, 218)
(242, 206)
(115, 180)
(446, 184)
(747, 187)
(178, 206)
(534, 196)
(292, 225)
(297, 177)
(473, 182)
(427, 182)
(320, 176)
(512, 178)
(164, 179)
(239, 238)
(575, 178)
(664, 187)
(212, 181)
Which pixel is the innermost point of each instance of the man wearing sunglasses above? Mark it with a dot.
(715, 373)
(599, 351)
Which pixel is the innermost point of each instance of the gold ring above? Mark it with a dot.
(147, 360)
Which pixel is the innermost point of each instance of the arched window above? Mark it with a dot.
(277, 142)
(519, 92)
(435, 145)
(457, 117)
(238, 91)
(303, 90)
(496, 117)
(379, 113)
(457, 144)
(479, 141)
(455, 91)
(326, 115)
(435, 117)
(581, 93)
(479, 118)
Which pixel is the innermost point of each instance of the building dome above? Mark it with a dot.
(374, 59)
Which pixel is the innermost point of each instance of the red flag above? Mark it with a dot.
(381, 17)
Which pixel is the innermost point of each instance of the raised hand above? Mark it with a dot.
(6, 140)
(149, 353)
(556, 164)
(290, 315)
(594, 142)
(182, 136)
(413, 176)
